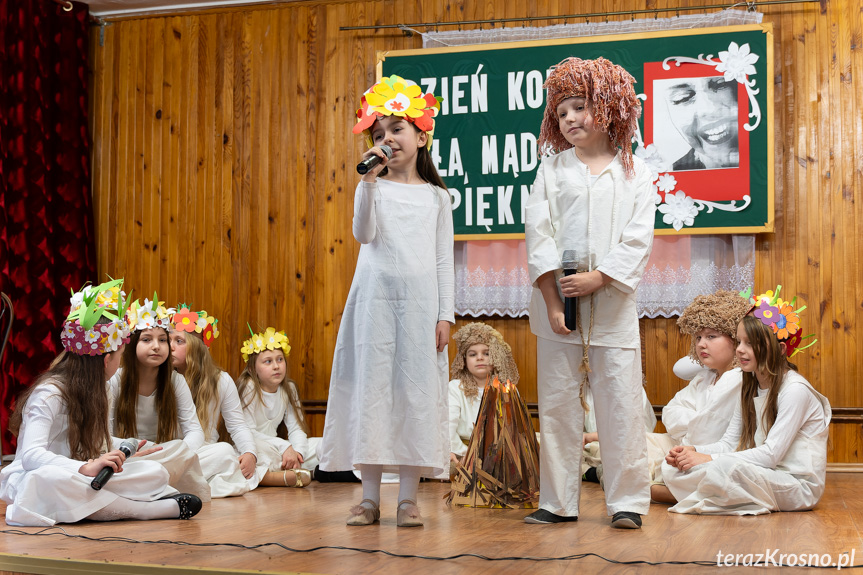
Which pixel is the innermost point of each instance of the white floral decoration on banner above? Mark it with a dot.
(736, 63)
(680, 210)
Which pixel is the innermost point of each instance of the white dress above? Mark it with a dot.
(42, 485)
(698, 414)
(608, 221)
(387, 402)
(263, 418)
(179, 455)
(220, 462)
(785, 471)
(463, 412)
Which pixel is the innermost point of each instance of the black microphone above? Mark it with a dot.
(129, 447)
(374, 160)
(570, 304)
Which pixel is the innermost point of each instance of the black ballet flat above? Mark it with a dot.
(189, 504)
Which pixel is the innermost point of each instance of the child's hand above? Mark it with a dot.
(247, 465)
(291, 459)
(578, 285)
(589, 438)
(372, 174)
(113, 459)
(441, 334)
(689, 459)
(558, 321)
(153, 449)
(553, 303)
(675, 452)
(453, 458)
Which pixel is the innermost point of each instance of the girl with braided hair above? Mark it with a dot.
(591, 204)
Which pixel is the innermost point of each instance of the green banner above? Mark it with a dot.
(706, 130)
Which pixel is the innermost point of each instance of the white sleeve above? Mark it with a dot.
(456, 445)
(677, 414)
(190, 427)
(296, 436)
(730, 438)
(794, 405)
(444, 253)
(43, 407)
(686, 368)
(113, 394)
(542, 254)
(365, 218)
(232, 413)
(626, 260)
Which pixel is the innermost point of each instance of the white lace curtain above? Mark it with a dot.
(492, 277)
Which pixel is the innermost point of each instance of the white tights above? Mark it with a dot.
(122, 508)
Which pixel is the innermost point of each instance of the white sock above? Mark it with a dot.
(409, 482)
(122, 508)
(371, 475)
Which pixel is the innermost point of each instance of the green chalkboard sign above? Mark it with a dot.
(706, 130)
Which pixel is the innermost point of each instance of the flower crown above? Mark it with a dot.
(81, 334)
(195, 322)
(260, 342)
(781, 317)
(396, 96)
(150, 314)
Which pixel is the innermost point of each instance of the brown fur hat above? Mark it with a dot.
(721, 311)
(499, 351)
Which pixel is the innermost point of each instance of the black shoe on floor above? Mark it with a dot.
(189, 504)
(590, 475)
(626, 520)
(543, 517)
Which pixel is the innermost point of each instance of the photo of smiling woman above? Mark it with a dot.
(704, 113)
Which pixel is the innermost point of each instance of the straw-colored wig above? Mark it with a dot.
(500, 354)
(721, 311)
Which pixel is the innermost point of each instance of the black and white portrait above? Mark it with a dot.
(696, 122)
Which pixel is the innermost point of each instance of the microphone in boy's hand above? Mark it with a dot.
(372, 161)
(129, 447)
(570, 304)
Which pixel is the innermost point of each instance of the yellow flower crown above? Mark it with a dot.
(270, 339)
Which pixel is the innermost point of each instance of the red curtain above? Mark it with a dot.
(46, 217)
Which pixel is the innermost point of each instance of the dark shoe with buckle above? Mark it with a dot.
(189, 504)
(543, 517)
(626, 520)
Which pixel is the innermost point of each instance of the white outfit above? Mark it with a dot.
(698, 414)
(463, 412)
(388, 391)
(219, 460)
(785, 471)
(592, 453)
(263, 418)
(179, 455)
(609, 223)
(42, 485)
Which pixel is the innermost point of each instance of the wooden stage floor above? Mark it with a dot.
(313, 517)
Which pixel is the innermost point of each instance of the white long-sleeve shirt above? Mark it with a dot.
(463, 412)
(608, 223)
(700, 412)
(228, 405)
(147, 417)
(263, 418)
(798, 411)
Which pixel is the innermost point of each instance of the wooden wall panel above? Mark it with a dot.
(223, 175)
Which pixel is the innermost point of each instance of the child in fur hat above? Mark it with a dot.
(699, 413)
(482, 354)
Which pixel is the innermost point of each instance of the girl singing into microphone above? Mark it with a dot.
(387, 406)
(62, 427)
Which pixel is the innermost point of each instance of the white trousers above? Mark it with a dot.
(615, 381)
(220, 466)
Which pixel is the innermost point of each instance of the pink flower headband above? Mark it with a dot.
(82, 334)
(195, 322)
